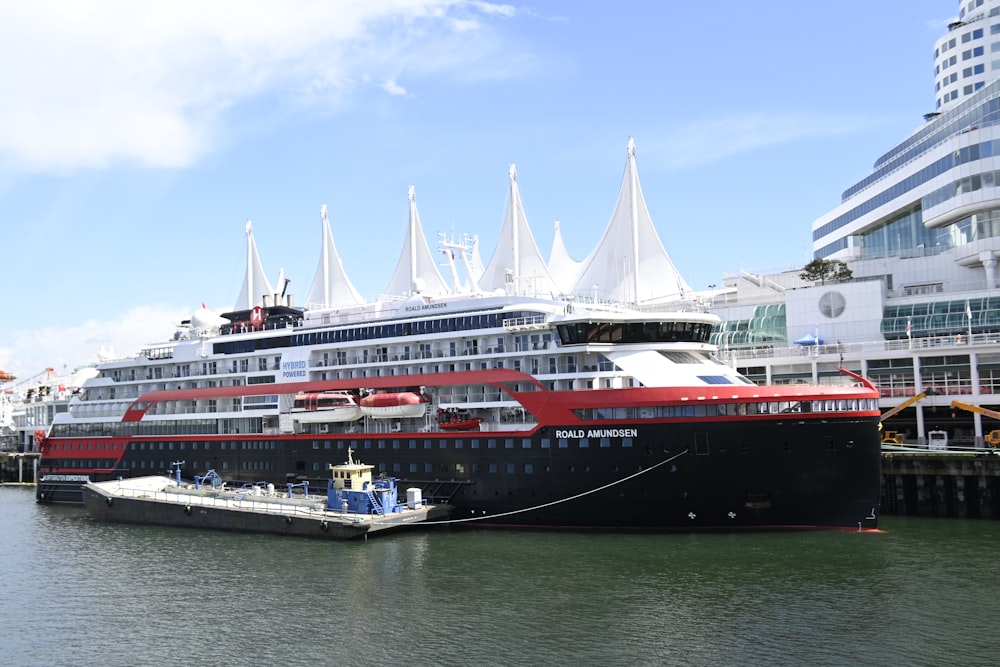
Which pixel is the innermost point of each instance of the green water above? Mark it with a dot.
(925, 592)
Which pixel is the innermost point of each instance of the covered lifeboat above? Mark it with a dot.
(325, 406)
(394, 405)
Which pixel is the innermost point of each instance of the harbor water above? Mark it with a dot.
(77, 592)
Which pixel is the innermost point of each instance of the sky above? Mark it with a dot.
(137, 138)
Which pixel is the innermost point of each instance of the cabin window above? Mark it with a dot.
(429, 468)
(413, 467)
(493, 468)
(508, 443)
(584, 443)
(509, 468)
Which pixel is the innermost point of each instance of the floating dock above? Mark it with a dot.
(355, 504)
(159, 501)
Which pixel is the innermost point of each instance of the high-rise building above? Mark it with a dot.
(920, 234)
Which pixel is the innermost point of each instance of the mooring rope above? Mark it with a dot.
(555, 502)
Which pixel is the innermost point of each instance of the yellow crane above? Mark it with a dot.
(902, 406)
(893, 437)
(993, 437)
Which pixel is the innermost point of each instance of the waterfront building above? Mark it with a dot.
(920, 315)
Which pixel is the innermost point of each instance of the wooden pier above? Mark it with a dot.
(19, 467)
(941, 484)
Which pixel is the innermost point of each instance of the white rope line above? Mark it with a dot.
(554, 502)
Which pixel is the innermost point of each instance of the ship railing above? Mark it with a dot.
(855, 349)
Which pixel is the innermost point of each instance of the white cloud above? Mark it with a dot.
(506, 11)
(715, 139)
(25, 352)
(91, 83)
(390, 86)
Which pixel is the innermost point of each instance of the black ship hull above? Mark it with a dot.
(794, 473)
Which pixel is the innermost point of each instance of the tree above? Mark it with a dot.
(825, 269)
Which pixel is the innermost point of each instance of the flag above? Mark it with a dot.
(907, 326)
(968, 309)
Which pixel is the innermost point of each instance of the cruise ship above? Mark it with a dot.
(28, 406)
(523, 391)
(920, 235)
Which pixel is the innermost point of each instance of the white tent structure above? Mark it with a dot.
(416, 271)
(517, 266)
(563, 268)
(630, 264)
(331, 287)
(255, 284)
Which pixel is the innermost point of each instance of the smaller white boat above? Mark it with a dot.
(325, 406)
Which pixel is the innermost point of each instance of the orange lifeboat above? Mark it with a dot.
(394, 405)
(457, 420)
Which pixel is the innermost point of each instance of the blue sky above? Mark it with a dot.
(136, 139)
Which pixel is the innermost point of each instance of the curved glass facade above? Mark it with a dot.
(941, 318)
(766, 327)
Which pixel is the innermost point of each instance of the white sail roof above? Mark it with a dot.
(517, 265)
(331, 286)
(561, 265)
(255, 284)
(630, 263)
(476, 268)
(416, 271)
